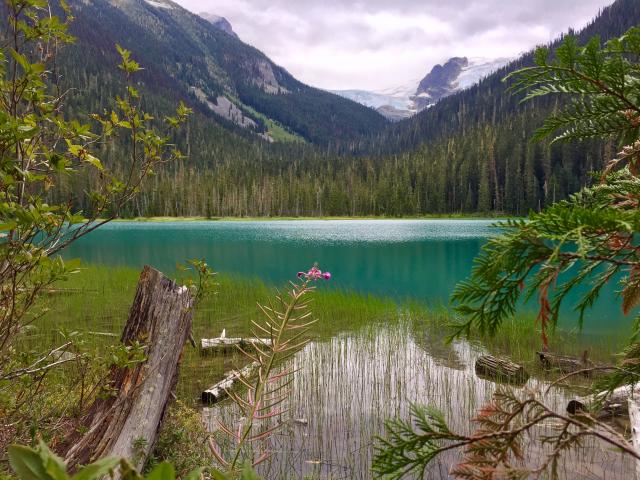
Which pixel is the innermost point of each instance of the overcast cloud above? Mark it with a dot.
(376, 44)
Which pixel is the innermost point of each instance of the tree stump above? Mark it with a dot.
(500, 369)
(126, 423)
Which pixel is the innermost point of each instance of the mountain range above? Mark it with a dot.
(454, 75)
(262, 143)
(202, 61)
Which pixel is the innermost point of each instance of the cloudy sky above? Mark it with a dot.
(376, 44)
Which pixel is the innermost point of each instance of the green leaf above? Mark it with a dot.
(218, 475)
(53, 464)
(90, 159)
(97, 469)
(7, 226)
(27, 463)
(21, 59)
(248, 473)
(195, 474)
(163, 471)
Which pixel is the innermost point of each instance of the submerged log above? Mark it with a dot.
(221, 389)
(500, 369)
(209, 345)
(564, 363)
(605, 404)
(126, 423)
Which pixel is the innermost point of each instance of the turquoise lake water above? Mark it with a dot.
(417, 259)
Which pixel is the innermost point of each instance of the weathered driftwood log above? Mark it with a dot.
(64, 356)
(603, 404)
(564, 363)
(500, 369)
(221, 389)
(160, 319)
(209, 345)
(634, 421)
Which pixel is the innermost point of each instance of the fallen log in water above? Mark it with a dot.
(222, 344)
(564, 363)
(64, 356)
(605, 404)
(126, 423)
(221, 389)
(634, 421)
(500, 369)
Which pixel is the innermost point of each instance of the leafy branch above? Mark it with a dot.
(495, 447)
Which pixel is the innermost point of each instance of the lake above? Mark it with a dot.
(355, 373)
(404, 259)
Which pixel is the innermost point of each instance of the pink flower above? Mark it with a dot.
(314, 274)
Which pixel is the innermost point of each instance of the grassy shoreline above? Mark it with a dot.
(98, 298)
(303, 218)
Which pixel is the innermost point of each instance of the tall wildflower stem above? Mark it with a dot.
(285, 323)
(265, 370)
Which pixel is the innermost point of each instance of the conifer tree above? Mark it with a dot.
(589, 239)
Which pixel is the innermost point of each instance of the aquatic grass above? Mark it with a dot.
(368, 359)
(96, 302)
(520, 336)
(349, 385)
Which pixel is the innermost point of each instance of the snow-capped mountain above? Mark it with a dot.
(457, 73)
(478, 69)
(374, 99)
(393, 102)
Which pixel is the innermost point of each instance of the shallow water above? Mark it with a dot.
(348, 386)
(417, 259)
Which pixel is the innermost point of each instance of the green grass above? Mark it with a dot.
(274, 129)
(96, 301)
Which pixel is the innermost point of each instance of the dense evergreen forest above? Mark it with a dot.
(469, 153)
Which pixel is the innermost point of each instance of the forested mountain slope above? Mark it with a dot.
(471, 152)
(489, 100)
(187, 57)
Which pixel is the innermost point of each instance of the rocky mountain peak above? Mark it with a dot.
(440, 82)
(219, 22)
(454, 75)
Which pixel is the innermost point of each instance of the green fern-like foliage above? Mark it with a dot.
(495, 449)
(585, 240)
(604, 81)
(410, 445)
(590, 239)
